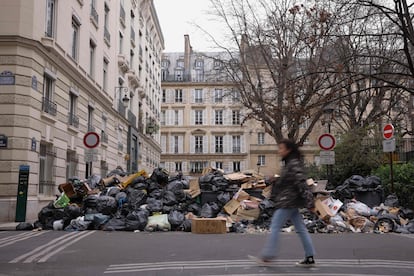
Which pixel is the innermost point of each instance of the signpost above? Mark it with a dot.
(327, 157)
(388, 145)
(22, 187)
(327, 143)
(91, 141)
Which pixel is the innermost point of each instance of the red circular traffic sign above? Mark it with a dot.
(91, 140)
(388, 131)
(326, 141)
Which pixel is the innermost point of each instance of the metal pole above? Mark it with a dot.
(391, 173)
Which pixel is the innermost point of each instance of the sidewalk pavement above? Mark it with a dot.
(8, 226)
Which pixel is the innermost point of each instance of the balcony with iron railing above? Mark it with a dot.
(91, 127)
(104, 137)
(122, 15)
(73, 120)
(48, 106)
(132, 36)
(132, 119)
(107, 35)
(94, 16)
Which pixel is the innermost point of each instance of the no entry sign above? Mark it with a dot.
(388, 131)
(91, 140)
(326, 141)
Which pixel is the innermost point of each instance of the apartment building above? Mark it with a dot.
(68, 68)
(201, 115)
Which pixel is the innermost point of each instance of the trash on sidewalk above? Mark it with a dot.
(215, 203)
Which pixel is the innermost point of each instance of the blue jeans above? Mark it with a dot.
(278, 220)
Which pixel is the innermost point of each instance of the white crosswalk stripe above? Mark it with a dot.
(224, 264)
(44, 252)
(19, 237)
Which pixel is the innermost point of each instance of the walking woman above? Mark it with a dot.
(289, 193)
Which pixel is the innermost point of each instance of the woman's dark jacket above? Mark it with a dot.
(291, 190)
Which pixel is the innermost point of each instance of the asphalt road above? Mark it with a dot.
(173, 253)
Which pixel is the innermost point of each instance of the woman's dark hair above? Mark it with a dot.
(293, 147)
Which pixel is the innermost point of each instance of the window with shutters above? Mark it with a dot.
(218, 117)
(198, 95)
(219, 144)
(261, 160)
(176, 141)
(50, 18)
(236, 144)
(236, 166)
(47, 157)
(178, 95)
(219, 165)
(198, 147)
(236, 117)
(198, 115)
(178, 166)
(218, 95)
(261, 138)
(176, 117)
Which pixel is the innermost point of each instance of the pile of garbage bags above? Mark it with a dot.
(163, 202)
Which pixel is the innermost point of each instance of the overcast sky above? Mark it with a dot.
(177, 18)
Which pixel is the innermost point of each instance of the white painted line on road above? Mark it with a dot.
(47, 250)
(215, 264)
(303, 274)
(24, 236)
(45, 258)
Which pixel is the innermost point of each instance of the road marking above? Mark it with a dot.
(216, 264)
(19, 237)
(44, 252)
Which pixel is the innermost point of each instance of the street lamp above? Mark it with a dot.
(123, 90)
(328, 112)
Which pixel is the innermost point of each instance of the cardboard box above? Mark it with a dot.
(208, 226)
(251, 214)
(327, 206)
(267, 192)
(232, 206)
(68, 189)
(241, 195)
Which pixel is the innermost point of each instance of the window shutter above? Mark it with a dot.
(242, 144)
(180, 144)
(226, 117)
(226, 144)
(193, 117)
(213, 117)
(192, 144)
(212, 144)
(193, 96)
(184, 167)
(204, 114)
(163, 143)
(180, 117)
(205, 144)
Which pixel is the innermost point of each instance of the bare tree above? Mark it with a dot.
(279, 63)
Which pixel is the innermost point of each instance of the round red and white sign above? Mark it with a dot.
(91, 140)
(326, 141)
(388, 131)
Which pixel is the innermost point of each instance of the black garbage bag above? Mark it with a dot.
(115, 224)
(210, 210)
(194, 208)
(136, 220)
(223, 198)
(154, 205)
(180, 195)
(391, 201)
(207, 178)
(372, 182)
(185, 226)
(385, 225)
(140, 185)
(113, 191)
(160, 176)
(220, 183)
(175, 185)
(136, 198)
(267, 207)
(175, 218)
(71, 211)
(106, 205)
(49, 214)
(158, 194)
(343, 192)
(406, 213)
(152, 185)
(116, 172)
(207, 187)
(167, 209)
(90, 201)
(169, 198)
(355, 181)
(24, 226)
